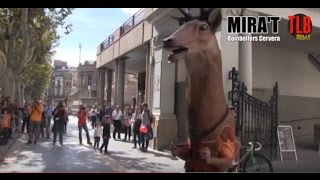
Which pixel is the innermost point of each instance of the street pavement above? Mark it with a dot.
(308, 158)
(72, 157)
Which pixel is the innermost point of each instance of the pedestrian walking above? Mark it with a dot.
(97, 134)
(58, 126)
(26, 117)
(48, 111)
(106, 134)
(147, 119)
(93, 114)
(35, 121)
(127, 123)
(117, 119)
(137, 121)
(82, 124)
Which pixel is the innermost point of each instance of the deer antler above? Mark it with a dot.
(204, 14)
(187, 16)
(202, 11)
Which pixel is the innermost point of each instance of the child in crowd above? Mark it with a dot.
(106, 134)
(97, 134)
(6, 123)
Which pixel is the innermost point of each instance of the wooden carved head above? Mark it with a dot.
(194, 34)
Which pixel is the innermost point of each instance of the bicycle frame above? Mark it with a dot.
(249, 152)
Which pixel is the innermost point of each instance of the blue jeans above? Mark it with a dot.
(84, 126)
(58, 129)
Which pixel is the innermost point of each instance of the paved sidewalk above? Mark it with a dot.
(5, 148)
(308, 158)
(72, 157)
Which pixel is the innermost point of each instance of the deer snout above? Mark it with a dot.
(168, 39)
(167, 42)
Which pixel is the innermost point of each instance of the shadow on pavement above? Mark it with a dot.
(134, 164)
(49, 158)
(158, 154)
(72, 157)
(162, 155)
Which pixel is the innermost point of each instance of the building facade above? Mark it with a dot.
(137, 47)
(86, 90)
(88, 82)
(63, 81)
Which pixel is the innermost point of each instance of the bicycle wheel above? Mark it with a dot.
(259, 163)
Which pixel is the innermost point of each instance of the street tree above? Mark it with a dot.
(26, 34)
(36, 78)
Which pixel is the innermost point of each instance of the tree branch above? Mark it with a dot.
(26, 40)
(30, 57)
(11, 43)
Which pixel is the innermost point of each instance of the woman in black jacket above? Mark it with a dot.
(105, 134)
(59, 117)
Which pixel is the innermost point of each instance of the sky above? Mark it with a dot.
(90, 27)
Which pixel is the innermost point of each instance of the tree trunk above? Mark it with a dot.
(9, 86)
(28, 97)
(1, 87)
(19, 97)
(22, 94)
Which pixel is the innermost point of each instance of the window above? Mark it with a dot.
(89, 80)
(132, 78)
(74, 82)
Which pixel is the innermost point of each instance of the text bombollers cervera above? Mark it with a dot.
(251, 28)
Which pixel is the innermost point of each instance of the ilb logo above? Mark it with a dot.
(300, 26)
(258, 27)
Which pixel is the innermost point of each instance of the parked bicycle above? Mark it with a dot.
(252, 160)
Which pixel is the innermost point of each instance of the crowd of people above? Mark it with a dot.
(11, 115)
(35, 119)
(107, 122)
(136, 121)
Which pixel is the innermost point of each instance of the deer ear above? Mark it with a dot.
(215, 18)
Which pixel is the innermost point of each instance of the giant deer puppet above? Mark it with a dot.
(211, 146)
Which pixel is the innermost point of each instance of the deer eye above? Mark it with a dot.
(203, 27)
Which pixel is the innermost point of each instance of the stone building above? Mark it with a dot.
(86, 90)
(88, 81)
(63, 82)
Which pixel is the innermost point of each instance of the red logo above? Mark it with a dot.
(300, 26)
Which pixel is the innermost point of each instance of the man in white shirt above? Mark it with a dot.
(93, 113)
(117, 119)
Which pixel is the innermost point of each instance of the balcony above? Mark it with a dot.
(126, 27)
(133, 33)
(132, 22)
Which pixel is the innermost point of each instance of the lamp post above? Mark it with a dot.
(89, 91)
